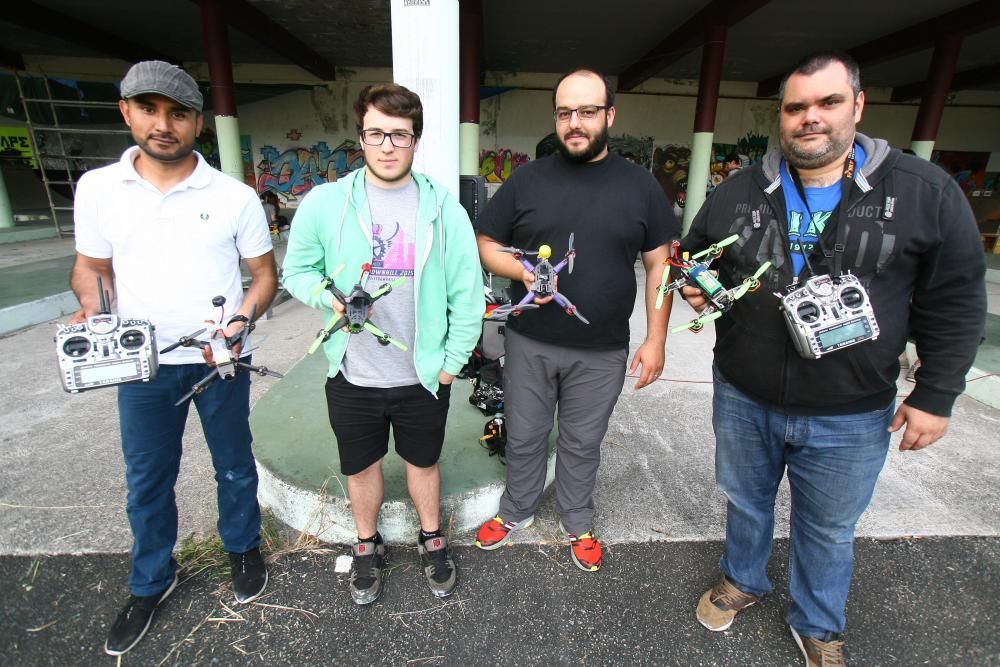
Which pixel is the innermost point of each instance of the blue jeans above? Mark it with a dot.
(832, 463)
(151, 431)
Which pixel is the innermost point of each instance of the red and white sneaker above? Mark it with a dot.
(585, 549)
(496, 531)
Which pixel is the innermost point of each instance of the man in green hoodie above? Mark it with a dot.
(401, 224)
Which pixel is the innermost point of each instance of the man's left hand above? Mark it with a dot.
(445, 377)
(231, 330)
(650, 357)
(922, 428)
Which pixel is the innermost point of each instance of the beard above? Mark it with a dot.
(836, 144)
(593, 149)
(179, 150)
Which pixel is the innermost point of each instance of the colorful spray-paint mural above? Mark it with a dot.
(671, 162)
(292, 172)
(637, 149)
(497, 165)
(967, 167)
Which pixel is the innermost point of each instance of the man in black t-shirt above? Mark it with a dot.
(616, 210)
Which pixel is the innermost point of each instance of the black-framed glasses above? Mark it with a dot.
(377, 138)
(588, 112)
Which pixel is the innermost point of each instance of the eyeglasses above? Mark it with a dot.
(377, 138)
(583, 113)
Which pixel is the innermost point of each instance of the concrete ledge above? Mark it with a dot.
(18, 234)
(983, 386)
(300, 480)
(14, 318)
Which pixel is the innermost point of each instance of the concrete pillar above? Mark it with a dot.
(704, 120)
(471, 44)
(942, 69)
(220, 72)
(425, 60)
(6, 212)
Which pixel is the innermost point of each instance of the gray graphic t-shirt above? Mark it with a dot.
(367, 362)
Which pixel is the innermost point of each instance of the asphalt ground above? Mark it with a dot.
(914, 601)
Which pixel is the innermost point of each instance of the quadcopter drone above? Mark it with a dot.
(544, 284)
(356, 305)
(696, 274)
(226, 364)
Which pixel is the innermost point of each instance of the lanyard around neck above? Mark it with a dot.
(850, 164)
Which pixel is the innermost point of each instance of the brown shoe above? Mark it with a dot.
(719, 605)
(819, 653)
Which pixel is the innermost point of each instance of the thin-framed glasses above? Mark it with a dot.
(588, 112)
(377, 138)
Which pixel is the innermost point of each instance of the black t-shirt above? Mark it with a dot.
(616, 210)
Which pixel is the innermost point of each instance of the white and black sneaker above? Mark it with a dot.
(368, 571)
(134, 620)
(249, 575)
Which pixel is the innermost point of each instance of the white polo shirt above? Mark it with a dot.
(172, 252)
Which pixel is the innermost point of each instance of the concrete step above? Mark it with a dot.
(300, 480)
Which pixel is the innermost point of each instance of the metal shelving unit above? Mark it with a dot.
(62, 160)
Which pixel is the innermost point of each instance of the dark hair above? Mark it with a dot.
(392, 100)
(732, 157)
(609, 91)
(814, 62)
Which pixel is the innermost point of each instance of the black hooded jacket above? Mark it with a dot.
(911, 240)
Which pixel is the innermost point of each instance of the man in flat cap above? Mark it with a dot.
(168, 231)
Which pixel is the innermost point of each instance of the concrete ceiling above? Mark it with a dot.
(519, 35)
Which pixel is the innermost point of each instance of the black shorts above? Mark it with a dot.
(361, 416)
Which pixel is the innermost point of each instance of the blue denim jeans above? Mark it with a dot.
(151, 431)
(832, 464)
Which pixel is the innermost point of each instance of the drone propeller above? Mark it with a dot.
(663, 289)
(511, 250)
(186, 341)
(753, 282)
(383, 337)
(716, 248)
(385, 289)
(571, 253)
(570, 307)
(698, 323)
(323, 284)
(324, 333)
(503, 311)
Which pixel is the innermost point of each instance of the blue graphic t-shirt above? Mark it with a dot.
(804, 233)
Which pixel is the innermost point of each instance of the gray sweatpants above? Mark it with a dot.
(586, 385)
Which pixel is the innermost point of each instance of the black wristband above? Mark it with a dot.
(238, 318)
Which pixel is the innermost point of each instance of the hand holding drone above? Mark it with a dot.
(544, 284)
(357, 306)
(697, 274)
(225, 350)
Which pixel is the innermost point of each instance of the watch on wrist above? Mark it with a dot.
(238, 318)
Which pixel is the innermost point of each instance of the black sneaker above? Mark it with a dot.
(439, 568)
(134, 620)
(249, 575)
(367, 571)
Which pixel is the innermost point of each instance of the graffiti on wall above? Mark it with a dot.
(636, 149)
(671, 163)
(670, 167)
(498, 164)
(246, 158)
(293, 172)
(968, 168)
(729, 158)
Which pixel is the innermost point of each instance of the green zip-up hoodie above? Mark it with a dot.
(332, 227)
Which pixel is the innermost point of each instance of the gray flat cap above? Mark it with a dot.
(156, 76)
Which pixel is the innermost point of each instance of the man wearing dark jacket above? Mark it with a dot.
(832, 203)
